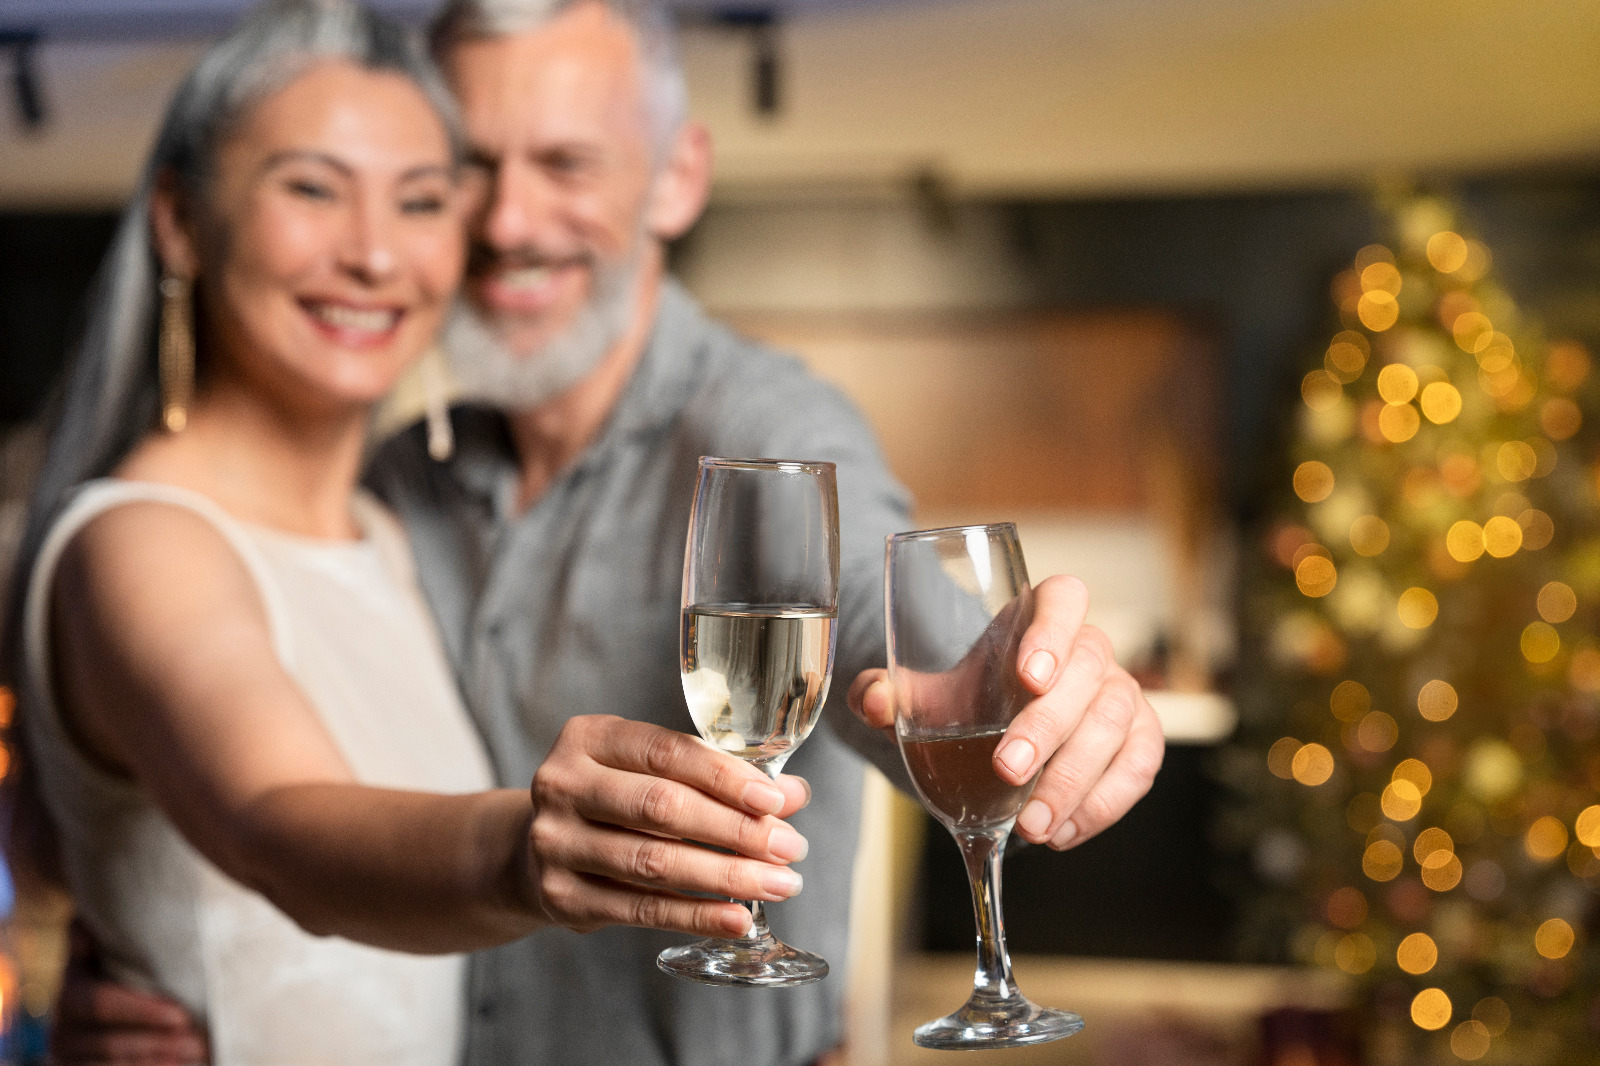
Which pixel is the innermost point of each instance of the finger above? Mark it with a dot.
(593, 902)
(125, 1048)
(660, 864)
(871, 700)
(1059, 606)
(665, 753)
(796, 794)
(1080, 763)
(1125, 782)
(1045, 723)
(104, 1004)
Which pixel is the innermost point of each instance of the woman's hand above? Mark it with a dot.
(620, 809)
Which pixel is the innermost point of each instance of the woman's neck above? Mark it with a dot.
(275, 465)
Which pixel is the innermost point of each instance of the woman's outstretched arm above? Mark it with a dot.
(165, 673)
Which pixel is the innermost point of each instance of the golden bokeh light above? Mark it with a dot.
(1355, 953)
(1496, 353)
(1306, 551)
(1584, 670)
(1373, 253)
(1460, 472)
(1417, 953)
(1313, 481)
(1454, 304)
(1516, 460)
(1399, 424)
(1430, 841)
(1345, 359)
(1349, 701)
(1554, 939)
(1369, 535)
(1416, 771)
(1560, 418)
(1540, 642)
(1587, 827)
(1538, 530)
(1472, 331)
(1464, 541)
(1378, 310)
(1431, 1009)
(1493, 1012)
(1502, 536)
(1382, 861)
(1316, 576)
(1347, 908)
(1418, 607)
(1545, 456)
(1546, 839)
(1377, 732)
(8, 706)
(1567, 365)
(1280, 758)
(1437, 701)
(1312, 765)
(1397, 383)
(1441, 402)
(1447, 251)
(1470, 1040)
(1401, 800)
(1381, 277)
(1493, 770)
(1477, 264)
(1320, 390)
(1557, 602)
(1441, 871)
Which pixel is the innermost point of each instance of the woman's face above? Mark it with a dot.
(330, 242)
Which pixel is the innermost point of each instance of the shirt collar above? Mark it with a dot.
(485, 459)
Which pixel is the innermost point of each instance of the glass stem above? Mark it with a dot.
(758, 911)
(982, 852)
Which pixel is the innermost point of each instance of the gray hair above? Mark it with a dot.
(113, 390)
(667, 92)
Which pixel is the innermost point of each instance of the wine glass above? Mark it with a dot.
(760, 599)
(958, 602)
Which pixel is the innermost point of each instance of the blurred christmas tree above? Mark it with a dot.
(1418, 763)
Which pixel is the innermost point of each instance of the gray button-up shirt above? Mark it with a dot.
(571, 607)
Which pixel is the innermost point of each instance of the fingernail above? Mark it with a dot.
(1017, 755)
(807, 786)
(782, 883)
(1064, 835)
(763, 798)
(1035, 818)
(787, 844)
(1041, 667)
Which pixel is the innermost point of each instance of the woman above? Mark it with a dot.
(236, 709)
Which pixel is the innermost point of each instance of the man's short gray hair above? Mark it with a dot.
(666, 93)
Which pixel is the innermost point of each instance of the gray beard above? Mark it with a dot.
(487, 370)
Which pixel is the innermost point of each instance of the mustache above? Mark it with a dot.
(482, 259)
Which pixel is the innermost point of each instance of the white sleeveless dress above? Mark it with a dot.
(350, 626)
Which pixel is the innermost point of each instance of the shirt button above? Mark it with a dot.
(486, 1008)
(495, 629)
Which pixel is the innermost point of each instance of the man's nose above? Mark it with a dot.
(518, 210)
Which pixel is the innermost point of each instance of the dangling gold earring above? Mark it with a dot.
(436, 407)
(175, 352)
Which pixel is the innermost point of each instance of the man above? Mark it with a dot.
(550, 544)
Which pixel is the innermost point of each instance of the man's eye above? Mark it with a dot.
(422, 205)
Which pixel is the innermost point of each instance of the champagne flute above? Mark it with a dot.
(958, 602)
(760, 599)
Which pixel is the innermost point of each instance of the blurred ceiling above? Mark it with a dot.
(968, 98)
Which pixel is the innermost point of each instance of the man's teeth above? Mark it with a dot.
(525, 278)
(374, 321)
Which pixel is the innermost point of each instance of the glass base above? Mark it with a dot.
(752, 962)
(1003, 1023)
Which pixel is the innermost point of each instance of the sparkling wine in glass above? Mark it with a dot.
(958, 602)
(760, 601)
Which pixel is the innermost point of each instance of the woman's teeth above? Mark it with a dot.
(373, 321)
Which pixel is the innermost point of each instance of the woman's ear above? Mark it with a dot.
(682, 185)
(172, 226)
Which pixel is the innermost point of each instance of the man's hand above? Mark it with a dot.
(98, 1023)
(1088, 732)
(617, 806)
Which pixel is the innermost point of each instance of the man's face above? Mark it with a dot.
(563, 145)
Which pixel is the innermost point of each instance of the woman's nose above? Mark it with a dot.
(369, 250)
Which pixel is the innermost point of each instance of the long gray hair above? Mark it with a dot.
(113, 389)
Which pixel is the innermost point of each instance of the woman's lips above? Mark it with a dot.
(359, 327)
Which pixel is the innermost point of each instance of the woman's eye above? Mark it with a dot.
(310, 190)
(422, 205)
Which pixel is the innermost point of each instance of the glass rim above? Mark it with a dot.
(787, 466)
(943, 532)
